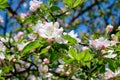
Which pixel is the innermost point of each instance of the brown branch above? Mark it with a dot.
(82, 12)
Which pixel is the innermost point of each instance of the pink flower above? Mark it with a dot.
(110, 28)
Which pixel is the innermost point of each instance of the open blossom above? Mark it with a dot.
(73, 35)
(32, 37)
(110, 54)
(100, 43)
(109, 74)
(21, 46)
(34, 5)
(50, 31)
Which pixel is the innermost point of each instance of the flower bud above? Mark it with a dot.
(67, 73)
(110, 28)
(118, 27)
(50, 39)
(46, 61)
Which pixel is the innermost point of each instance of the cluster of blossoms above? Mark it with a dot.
(34, 5)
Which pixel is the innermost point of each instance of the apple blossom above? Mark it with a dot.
(100, 43)
(34, 5)
(110, 28)
(32, 77)
(21, 46)
(42, 68)
(73, 35)
(109, 74)
(110, 54)
(18, 36)
(50, 31)
(2, 56)
(32, 37)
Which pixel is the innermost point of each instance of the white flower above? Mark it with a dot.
(42, 68)
(100, 43)
(50, 30)
(109, 74)
(32, 77)
(49, 75)
(32, 37)
(113, 43)
(110, 54)
(2, 47)
(73, 35)
(2, 56)
(18, 36)
(21, 46)
(1, 20)
(34, 5)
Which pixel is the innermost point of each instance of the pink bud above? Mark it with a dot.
(48, 47)
(46, 61)
(50, 39)
(110, 28)
(118, 27)
(20, 34)
(67, 73)
(103, 47)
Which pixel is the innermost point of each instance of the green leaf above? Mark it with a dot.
(69, 3)
(102, 69)
(72, 53)
(30, 46)
(55, 8)
(78, 2)
(85, 56)
(3, 4)
(53, 57)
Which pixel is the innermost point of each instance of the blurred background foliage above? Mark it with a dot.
(82, 16)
